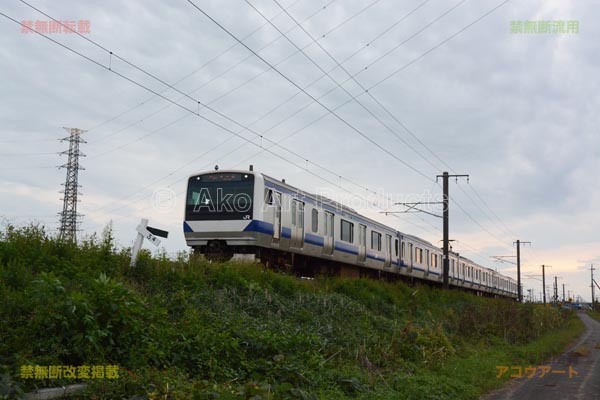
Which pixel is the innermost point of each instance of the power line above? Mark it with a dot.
(395, 72)
(330, 77)
(28, 140)
(118, 73)
(357, 82)
(268, 69)
(199, 69)
(329, 110)
(27, 154)
(341, 119)
(371, 41)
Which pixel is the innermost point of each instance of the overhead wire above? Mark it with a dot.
(331, 30)
(222, 73)
(354, 79)
(293, 83)
(94, 60)
(309, 85)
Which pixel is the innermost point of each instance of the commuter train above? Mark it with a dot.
(249, 215)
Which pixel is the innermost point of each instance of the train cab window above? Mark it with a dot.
(315, 220)
(396, 247)
(375, 240)
(347, 231)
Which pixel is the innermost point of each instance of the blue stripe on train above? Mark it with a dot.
(316, 240)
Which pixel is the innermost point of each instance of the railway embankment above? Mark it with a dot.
(186, 328)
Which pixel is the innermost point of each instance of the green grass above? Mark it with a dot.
(192, 329)
(594, 314)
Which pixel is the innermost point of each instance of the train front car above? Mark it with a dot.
(220, 207)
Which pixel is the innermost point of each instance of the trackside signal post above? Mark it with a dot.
(145, 232)
(446, 216)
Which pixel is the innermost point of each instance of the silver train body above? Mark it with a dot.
(251, 215)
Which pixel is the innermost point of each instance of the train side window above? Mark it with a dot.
(375, 240)
(427, 257)
(403, 250)
(347, 231)
(396, 247)
(315, 220)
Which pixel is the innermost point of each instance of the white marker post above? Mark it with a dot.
(145, 232)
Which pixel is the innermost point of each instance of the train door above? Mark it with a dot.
(362, 243)
(297, 224)
(276, 217)
(388, 251)
(328, 235)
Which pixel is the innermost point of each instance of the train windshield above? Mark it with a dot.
(220, 196)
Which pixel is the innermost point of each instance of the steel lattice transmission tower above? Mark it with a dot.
(68, 216)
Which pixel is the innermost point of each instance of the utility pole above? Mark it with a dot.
(564, 300)
(68, 216)
(544, 281)
(518, 243)
(446, 217)
(592, 284)
(555, 289)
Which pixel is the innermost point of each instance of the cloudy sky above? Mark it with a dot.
(365, 101)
